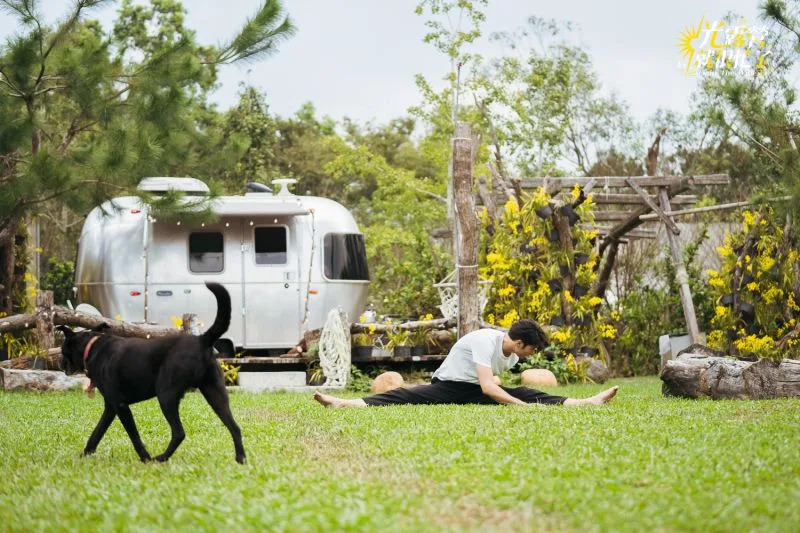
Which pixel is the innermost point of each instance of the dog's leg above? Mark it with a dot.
(126, 417)
(217, 397)
(105, 420)
(169, 402)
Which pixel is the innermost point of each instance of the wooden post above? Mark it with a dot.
(189, 324)
(467, 262)
(44, 319)
(680, 273)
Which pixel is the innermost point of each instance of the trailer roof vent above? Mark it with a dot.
(258, 187)
(284, 183)
(191, 186)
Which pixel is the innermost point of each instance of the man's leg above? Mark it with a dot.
(436, 392)
(529, 395)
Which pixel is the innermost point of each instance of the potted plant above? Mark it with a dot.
(362, 344)
(399, 342)
(418, 339)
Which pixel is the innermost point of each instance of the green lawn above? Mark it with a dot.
(642, 463)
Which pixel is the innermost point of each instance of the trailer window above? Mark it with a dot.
(271, 245)
(205, 252)
(345, 256)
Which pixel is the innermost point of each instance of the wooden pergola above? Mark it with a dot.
(634, 202)
(643, 200)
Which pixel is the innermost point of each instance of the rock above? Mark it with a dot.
(539, 377)
(497, 380)
(386, 382)
(43, 380)
(597, 371)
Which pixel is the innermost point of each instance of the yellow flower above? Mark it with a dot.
(177, 322)
(724, 251)
(765, 262)
(773, 294)
(490, 318)
(752, 286)
(749, 218)
(607, 331)
(511, 206)
(562, 336)
(576, 192)
(508, 290)
(715, 340)
(509, 318)
(716, 282)
(721, 311)
(569, 297)
(712, 273)
(594, 301)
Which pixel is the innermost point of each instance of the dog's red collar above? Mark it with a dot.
(88, 347)
(90, 390)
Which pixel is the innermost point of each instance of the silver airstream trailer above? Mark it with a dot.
(286, 261)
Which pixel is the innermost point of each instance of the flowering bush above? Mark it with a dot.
(757, 290)
(523, 256)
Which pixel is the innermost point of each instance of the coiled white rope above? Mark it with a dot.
(334, 351)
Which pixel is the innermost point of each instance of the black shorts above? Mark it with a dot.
(457, 392)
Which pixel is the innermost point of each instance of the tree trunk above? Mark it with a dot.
(467, 265)
(696, 375)
(7, 256)
(44, 319)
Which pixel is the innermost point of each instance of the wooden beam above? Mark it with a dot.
(624, 199)
(708, 208)
(612, 216)
(646, 198)
(621, 182)
(634, 233)
(633, 221)
(680, 274)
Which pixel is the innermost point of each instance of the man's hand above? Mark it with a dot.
(493, 390)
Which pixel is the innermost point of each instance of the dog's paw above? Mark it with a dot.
(145, 458)
(87, 452)
(241, 459)
(163, 458)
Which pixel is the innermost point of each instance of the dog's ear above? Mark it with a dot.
(68, 333)
(102, 327)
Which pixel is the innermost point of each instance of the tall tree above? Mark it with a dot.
(86, 114)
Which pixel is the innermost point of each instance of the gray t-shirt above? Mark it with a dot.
(482, 347)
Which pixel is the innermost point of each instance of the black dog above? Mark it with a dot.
(129, 370)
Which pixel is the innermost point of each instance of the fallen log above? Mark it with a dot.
(62, 315)
(697, 375)
(52, 360)
(42, 380)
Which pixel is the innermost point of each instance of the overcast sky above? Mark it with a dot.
(358, 58)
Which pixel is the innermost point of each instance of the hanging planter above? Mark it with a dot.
(726, 300)
(557, 320)
(544, 211)
(553, 236)
(564, 270)
(579, 290)
(581, 258)
(568, 211)
(747, 312)
(555, 285)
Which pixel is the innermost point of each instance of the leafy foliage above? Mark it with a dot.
(527, 273)
(757, 290)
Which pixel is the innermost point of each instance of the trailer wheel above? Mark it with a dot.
(224, 347)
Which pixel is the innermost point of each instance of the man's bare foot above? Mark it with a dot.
(327, 401)
(603, 397)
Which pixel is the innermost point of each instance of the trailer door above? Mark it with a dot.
(271, 283)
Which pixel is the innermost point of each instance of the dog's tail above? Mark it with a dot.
(223, 319)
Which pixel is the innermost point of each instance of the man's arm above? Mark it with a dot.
(493, 390)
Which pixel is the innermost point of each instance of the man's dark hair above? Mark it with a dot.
(529, 332)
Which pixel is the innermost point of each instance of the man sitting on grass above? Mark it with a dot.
(466, 375)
